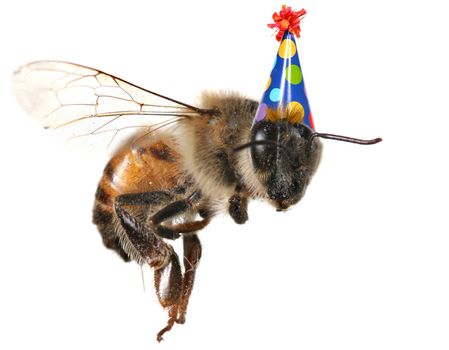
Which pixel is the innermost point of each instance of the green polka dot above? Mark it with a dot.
(293, 74)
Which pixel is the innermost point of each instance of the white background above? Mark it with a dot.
(361, 263)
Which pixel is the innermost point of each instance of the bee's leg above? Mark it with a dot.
(105, 225)
(188, 227)
(168, 284)
(192, 253)
(168, 280)
(173, 289)
(238, 206)
(144, 242)
(144, 198)
(192, 256)
(172, 210)
(169, 211)
(148, 199)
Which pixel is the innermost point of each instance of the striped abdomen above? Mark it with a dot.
(152, 165)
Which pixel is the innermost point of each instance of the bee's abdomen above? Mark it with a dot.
(152, 166)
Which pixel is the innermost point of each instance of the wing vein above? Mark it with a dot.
(80, 101)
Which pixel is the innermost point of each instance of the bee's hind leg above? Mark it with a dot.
(168, 279)
(168, 284)
(173, 289)
(192, 252)
(192, 256)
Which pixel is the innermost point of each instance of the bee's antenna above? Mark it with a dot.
(346, 139)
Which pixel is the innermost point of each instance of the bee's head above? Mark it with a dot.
(285, 156)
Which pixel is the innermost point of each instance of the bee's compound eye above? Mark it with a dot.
(263, 154)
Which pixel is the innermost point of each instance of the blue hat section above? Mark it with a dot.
(285, 87)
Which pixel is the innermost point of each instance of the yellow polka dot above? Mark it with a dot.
(287, 48)
(268, 83)
(295, 112)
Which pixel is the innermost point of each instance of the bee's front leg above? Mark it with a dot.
(238, 206)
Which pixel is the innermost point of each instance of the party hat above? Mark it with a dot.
(285, 93)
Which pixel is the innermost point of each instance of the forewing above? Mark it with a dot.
(80, 102)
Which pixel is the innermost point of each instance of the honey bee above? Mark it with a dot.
(179, 167)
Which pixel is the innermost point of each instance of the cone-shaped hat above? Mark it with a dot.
(285, 90)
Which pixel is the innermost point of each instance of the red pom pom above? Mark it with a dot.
(287, 19)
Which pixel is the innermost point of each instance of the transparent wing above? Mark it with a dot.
(80, 102)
